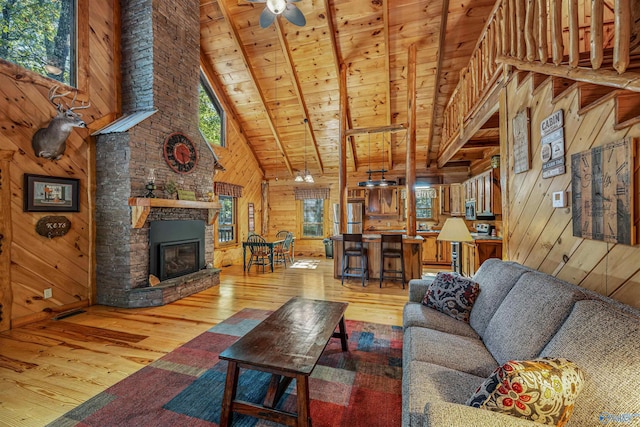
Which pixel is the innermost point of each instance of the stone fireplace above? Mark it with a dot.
(160, 81)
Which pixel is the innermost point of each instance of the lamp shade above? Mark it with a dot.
(455, 230)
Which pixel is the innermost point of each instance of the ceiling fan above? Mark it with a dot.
(280, 7)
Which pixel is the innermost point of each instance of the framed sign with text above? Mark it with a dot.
(602, 187)
(252, 221)
(521, 151)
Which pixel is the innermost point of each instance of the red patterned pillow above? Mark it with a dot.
(543, 390)
(452, 294)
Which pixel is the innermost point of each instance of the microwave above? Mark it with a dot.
(470, 210)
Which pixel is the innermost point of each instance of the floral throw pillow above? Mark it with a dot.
(542, 390)
(452, 294)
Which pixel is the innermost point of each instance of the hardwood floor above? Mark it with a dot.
(50, 367)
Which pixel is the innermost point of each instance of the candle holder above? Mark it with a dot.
(151, 184)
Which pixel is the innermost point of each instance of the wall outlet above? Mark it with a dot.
(48, 293)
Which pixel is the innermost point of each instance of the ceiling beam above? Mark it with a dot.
(387, 66)
(377, 129)
(245, 58)
(230, 112)
(435, 110)
(337, 60)
(284, 46)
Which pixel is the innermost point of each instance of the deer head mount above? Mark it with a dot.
(50, 142)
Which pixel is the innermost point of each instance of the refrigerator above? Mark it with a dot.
(354, 218)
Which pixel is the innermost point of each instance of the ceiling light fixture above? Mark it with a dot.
(376, 183)
(305, 176)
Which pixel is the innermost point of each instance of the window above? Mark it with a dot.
(312, 218)
(210, 115)
(227, 220)
(40, 36)
(424, 203)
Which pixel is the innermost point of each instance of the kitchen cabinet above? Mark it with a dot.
(356, 193)
(476, 252)
(382, 201)
(485, 190)
(444, 195)
(435, 251)
(456, 197)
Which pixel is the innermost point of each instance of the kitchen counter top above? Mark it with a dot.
(376, 238)
(476, 236)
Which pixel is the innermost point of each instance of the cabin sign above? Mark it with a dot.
(552, 145)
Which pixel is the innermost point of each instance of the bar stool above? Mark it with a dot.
(393, 253)
(355, 249)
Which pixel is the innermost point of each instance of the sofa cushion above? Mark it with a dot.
(496, 278)
(453, 351)
(452, 294)
(542, 390)
(424, 382)
(529, 316)
(445, 414)
(605, 343)
(416, 314)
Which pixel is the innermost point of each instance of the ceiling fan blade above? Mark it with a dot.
(293, 1)
(266, 18)
(294, 15)
(260, 1)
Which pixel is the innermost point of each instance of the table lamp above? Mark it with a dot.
(455, 230)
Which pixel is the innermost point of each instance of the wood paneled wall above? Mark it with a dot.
(241, 169)
(64, 264)
(541, 236)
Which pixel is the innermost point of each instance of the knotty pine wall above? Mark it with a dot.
(64, 264)
(241, 168)
(539, 235)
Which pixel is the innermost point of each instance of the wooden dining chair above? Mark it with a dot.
(260, 252)
(282, 252)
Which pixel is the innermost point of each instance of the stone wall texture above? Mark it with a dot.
(160, 71)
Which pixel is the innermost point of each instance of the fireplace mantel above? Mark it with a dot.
(140, 208)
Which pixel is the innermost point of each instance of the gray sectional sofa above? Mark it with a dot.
(520, 314)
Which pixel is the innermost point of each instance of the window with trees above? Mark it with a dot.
(40, 36)
(312, 218)
(210, 115)
(227, 223)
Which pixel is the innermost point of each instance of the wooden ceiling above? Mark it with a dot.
(270, 79)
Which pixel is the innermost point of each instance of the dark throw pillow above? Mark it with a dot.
(452, 294)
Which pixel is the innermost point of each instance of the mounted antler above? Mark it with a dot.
(50, 142)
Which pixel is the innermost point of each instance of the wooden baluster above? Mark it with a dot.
(555, 6)
(574, 36)
(513, 30)
(543, 46)
(529, 32)
(493, 45)
(520, 23)
(622, 25)
(597, 10)
(500, 29)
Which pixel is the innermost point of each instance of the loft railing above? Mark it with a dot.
(585, 40)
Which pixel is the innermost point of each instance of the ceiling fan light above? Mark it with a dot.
(299, 178)
(276, 6)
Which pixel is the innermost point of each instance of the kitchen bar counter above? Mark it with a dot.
(412, 256)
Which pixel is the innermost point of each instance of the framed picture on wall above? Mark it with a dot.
(50, 194)
(252, 222)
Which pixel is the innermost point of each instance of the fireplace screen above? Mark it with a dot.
(178, 258)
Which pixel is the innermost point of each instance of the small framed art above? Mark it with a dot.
(51, 194)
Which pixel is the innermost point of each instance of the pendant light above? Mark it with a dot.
(382, 182)
(305, 175)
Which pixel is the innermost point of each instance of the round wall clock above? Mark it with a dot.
(180, 153)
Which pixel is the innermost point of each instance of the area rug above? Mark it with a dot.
(360, 387)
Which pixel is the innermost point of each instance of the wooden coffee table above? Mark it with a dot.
(287, 344)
